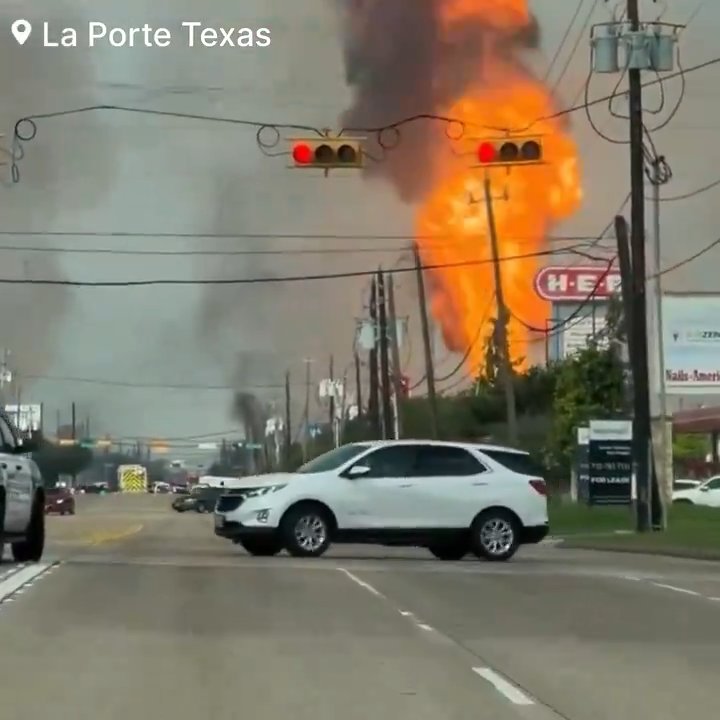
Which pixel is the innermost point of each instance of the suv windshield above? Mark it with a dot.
(333, 459)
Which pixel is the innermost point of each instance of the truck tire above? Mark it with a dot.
(32, 547)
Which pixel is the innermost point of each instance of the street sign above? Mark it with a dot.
(582, 467)
(610, 461)
(253, 446)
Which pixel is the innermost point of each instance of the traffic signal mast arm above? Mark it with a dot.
(508, 151)
(327, 152)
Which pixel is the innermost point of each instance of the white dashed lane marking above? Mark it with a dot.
(511, 692)
(18, 580)
(514, 694)
(676, 589)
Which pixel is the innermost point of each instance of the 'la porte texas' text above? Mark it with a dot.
(194, 33)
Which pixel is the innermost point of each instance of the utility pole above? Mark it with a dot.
(395, 349)
(74, 435)
(331, 376)
(427, 348)
(506, 369)
(658, 397)
(288, 428)
(334, 424)
(306, 412)
(358, 386)
(384, 357)
(374, 400)
(641, 425)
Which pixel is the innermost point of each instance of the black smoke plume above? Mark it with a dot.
(399, 62)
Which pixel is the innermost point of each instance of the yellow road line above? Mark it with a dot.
(103, 538)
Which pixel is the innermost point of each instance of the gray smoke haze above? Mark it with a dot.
(400, 62)
(251, 412)
(32, 315)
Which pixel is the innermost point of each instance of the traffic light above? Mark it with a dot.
(509, 151)
(327, 153)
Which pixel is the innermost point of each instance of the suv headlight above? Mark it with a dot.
(262, 491)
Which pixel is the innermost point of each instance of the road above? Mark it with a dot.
(139, 612)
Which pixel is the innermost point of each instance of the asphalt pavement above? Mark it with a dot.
(138, 611)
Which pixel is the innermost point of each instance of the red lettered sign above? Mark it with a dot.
(559, 283)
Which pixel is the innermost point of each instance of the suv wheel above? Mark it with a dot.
(306, 531)
(450, 550)
(495, 535)
(262, 547)
(31, 549)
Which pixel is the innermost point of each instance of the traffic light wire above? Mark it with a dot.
(268, 134)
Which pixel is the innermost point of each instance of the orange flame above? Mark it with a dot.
(506, 96)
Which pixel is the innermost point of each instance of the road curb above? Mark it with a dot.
(686, 553)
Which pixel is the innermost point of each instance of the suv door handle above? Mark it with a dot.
(409, 485)
(479, 484)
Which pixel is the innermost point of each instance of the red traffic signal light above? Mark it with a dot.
(486, 152)
(507, 151)
(326, 153)
(302, 154)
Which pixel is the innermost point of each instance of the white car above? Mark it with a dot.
(452, 498)
(706, 493)
(22, 498)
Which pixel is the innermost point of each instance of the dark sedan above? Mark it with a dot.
(59, 500)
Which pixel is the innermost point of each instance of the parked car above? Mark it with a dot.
(183, 503)
(705, 493)
(452, 498)
(685, 484)
(59, 500)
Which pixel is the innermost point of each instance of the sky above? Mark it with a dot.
(109, 173)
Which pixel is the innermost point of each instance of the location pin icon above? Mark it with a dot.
(21, 30)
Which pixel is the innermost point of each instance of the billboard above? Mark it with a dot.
(691, 343)
(25, 417)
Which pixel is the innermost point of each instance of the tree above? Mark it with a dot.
(589, 386)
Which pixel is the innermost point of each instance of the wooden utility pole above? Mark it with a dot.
(384, 357)
(331, 390)
(395, 350)
(288, 427)
(505, 368)
(358, 386)
(374, 400)
(427, 348)
(642, 437)
(306, 412)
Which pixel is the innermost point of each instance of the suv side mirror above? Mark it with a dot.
(704, 488)
(357, 471)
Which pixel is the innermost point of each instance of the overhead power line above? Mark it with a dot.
(268, 134)
(222, 253)
(276, 279)
(367, 237)
(159, 386)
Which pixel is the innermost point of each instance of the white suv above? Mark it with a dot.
(452, 498)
